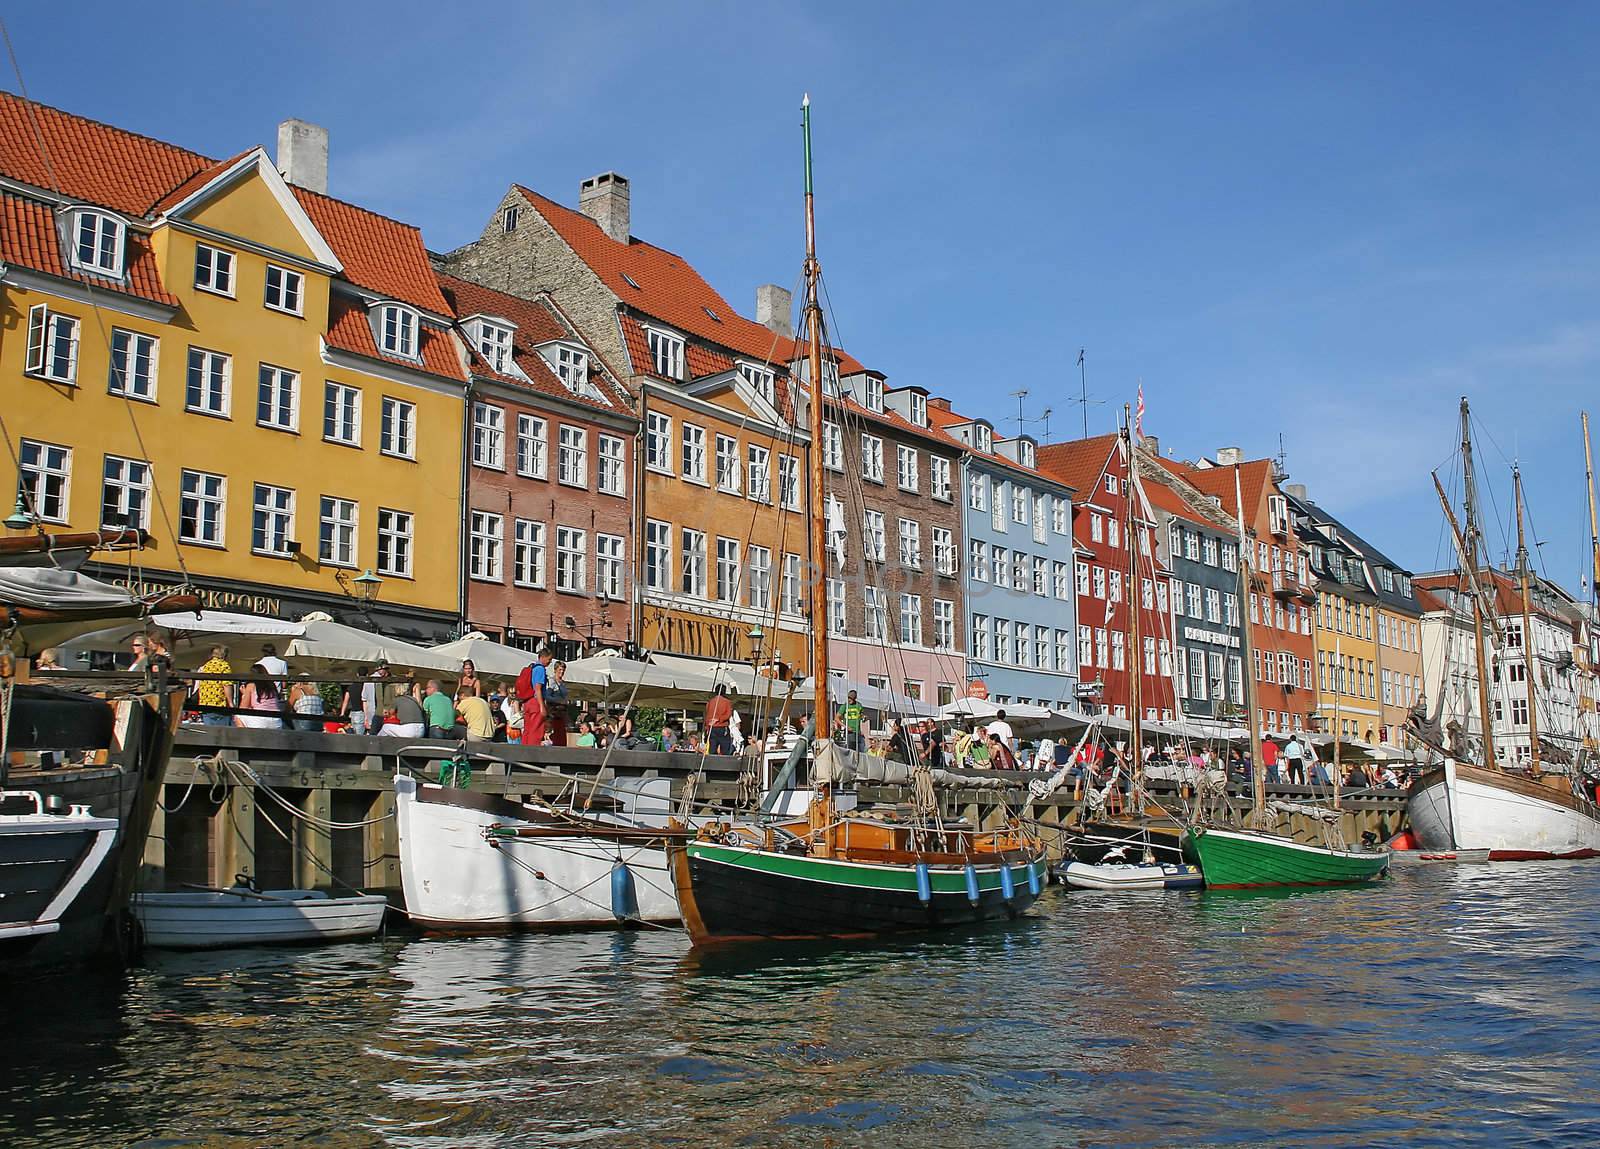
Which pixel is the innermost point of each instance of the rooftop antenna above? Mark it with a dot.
(1283, 459)
(1044, 417)
(1019, 396)
(1083, 391)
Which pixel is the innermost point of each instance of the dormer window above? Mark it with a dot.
(830, 378)
(97, 242)
(982, 438)
(872, 394)
(573, 367)
(666, 353)
(759, 378)
(397, 331)
(1025, 453)
(919, 409)
(494, 344)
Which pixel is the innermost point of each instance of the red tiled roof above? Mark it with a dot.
(28, 237)
(701, 362)
(1253, 479)
(349, 330)
(668, 288)
(90, 161)
(1507, 593)
(536, 323)
(944, 421)
(378, 253)
(1079, 463)
(1168, 499)
(194, 183)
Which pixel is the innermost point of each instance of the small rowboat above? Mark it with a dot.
(1131, 876)
(239, 916)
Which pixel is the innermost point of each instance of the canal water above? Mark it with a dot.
(1447, 1006)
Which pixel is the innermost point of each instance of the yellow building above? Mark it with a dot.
(261, 376)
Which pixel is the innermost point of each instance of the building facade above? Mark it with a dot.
(261, 376)
(550, 473)
(1021, 609)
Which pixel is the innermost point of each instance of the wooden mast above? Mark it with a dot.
(1338, 712)
(1528, 656)
(1129, 597)
(1258, 768)
(823, 705)
(1594, 524)
(1469, 553)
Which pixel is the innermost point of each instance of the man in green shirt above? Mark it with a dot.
(852, 712)
(440, 710)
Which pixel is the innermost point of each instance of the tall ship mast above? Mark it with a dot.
(834, 873)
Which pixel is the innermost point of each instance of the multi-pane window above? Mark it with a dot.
(939, 478)
(46, 469)
(572, 548)
(572, 456)
(1113, 529)
(694, 453)
(1101, 647)
(1060, 587)
(612, 479)
(533, 447)
(1019, 503)
(1019, 570)
(658, 442)
(728, 465)
(657, 555)
(1058, 515)
(341, 414)
(693, 581)
(791, 599)
(213, 269)
(1041, 577)
(394, 542)
(272, 520)
(1119, 651)
(206, 391)
(836, 609)
(760, 378)
(978, 561)
(1209, 551)
(944, 624)
(833, 522)
(277, 398)
(608, 566)
(1063, 660)
(1192, 595)
(1002, 566)
(489, 436)
(202, 508)
(980, 636)
(1197, 676)
(911, 544)
(97, 243)
(872, 393)
(789, 482)
(494, 344)
(1085, 647)
(397, 431)
(397, 331)
(527, 553)
(872, 458)
(978, 492)
(336, 538)
(760, 587)
(1082, 577)
(906, 467)
(125, 493)
(485, 553)
(133, 364)
(1097, 529)
(666, 353)
(1002, 640)
(285, 289)
(1024, 644)
(1230, 557)
(911, 619)
(877, 613)
(52, 345)
(572, 366)
(1099, 582)
(727, 569)
(759, 483)
(919, 409)
(832, 447)
(944, 550)
(997, 510)
(1039, 514)
(1213, 605)
(874, 542)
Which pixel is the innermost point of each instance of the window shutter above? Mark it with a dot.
(72, 352)
(38, 318)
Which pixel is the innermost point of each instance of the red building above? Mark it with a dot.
(1097, 468)
(549, 459)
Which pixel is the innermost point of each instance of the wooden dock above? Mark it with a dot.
(315, 810)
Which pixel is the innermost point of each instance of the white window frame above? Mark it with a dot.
(107, 243)
(489, 436)
(214, 270)
(666, 352)
(917, 405)
(397, 428)
(692, 569)
(399, 331)
(944, 551)
(911, 619)
(658, 444)
(758, 587)
(874, 541)
(871, 458)
(789, 482)
(133, 482)
(758, 484)
(692, 456)
(272, 521)
(729, 465)
(486, 547)
(572, 560)
(46, 475)
(134, 368)
(533, 446)
(729, 569)
(832, 447)
(910, 532)
(494, 344)
(906, 469)
(612, 476)
(52, 345)
(608, 567)
(658, 566)
(791, 592)
(215, 388)
(203, 500)
(290, 290)
(341, 414)
(338, 532)
(838, 616)
(572, 456)
(761, 379)
(944, 624)
(939, 478)
(528, 553)
(395, 542)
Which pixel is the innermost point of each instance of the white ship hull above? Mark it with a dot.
(458, 876)
(1503, 816)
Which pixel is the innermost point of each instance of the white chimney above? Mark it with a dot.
(1228, 456)
(604, 198)
(303, 155)
(774, 305)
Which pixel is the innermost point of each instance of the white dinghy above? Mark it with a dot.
(239, 916)
(1115, 873)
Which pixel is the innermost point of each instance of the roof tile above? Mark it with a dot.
(349, 330)
(28, 238)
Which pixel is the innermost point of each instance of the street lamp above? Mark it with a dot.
(20, 519)
(756, 637)
(363, 588)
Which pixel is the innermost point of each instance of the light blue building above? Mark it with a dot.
(1020, 598)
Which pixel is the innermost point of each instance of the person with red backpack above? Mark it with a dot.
(530, 693)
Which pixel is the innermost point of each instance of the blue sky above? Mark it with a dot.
(1321, 221)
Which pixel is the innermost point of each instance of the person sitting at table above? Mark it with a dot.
(410, 720)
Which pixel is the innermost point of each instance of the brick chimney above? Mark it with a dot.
(774, 306)
(939, 402)
(604, 198)
(303, 155)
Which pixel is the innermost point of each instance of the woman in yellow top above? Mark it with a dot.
(216, 692)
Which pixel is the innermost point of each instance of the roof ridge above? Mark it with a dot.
(579, 214)
(355, 207)
(26, 100)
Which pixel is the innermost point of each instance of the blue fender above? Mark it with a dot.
(972, 883)
(924, 884)
(624, 897)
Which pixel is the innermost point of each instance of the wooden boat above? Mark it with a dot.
(474, 862)
(240, 916)
(833, 872)
(49, 854)
(1248, 859)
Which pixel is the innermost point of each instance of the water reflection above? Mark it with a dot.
(1446, 1005)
